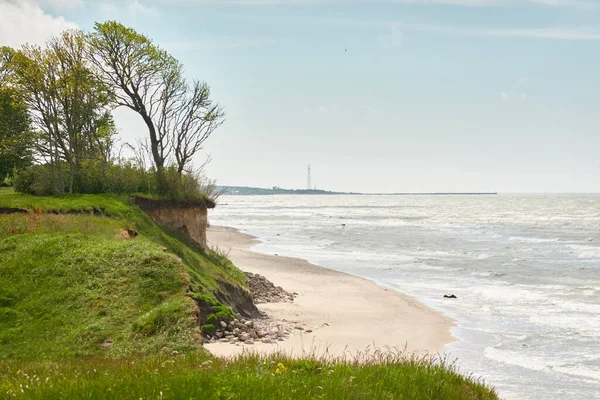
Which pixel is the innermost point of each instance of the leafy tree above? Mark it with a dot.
(14, 122)
(68, 105)
(149, 81)
(144, 78)
(14, 132)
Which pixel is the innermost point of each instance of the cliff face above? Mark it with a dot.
(191, 221)
(189, 218)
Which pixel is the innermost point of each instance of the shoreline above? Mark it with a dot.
(341, 314)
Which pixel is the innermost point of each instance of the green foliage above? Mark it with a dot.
(15, 136)
(70, 283)
(207, 329)
(248, 377)
(97, 177)
(36, 180)
(68, 105)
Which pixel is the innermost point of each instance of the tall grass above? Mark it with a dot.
(382, 375)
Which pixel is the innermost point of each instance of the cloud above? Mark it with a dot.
(24, 21)
(128, 10)
(517, 92)
(63, 4)
(213, 43)
(136, 7)
(464, 3)
(562, 33)
(393, 38)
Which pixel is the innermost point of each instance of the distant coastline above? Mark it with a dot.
(253, 191)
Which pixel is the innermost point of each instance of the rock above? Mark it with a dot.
(249, 341)
(223, 324)
(308, 331)
(274, 331)
(249, 324)
(264, 291)
(298, 327)
(268, 340)
(237, 331)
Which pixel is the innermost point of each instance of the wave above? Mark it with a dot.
(525, 239)
(541, 364)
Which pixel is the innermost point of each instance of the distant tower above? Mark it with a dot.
(309, 180)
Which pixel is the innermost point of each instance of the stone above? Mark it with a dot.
(268, 340)
(273, 331)
(223, 324)
(249, 324)
(249, 341)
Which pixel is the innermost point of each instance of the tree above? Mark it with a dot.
(68, 105)
(195, 119)
(143, 77)
(149, 81)
(14, 121)
(14, 132)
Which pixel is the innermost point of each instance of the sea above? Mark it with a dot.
(525, 270)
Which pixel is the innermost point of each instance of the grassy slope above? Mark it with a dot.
(191, 376)
(69, 285)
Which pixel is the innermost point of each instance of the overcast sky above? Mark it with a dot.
(378, 96)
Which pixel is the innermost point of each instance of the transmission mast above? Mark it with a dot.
(309, 180)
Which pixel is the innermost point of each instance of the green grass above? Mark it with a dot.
(6, 190)
(249, 377)
(70, 285)
(86, 313)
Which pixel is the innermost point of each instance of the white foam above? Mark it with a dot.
(518, 359)
(585, 251)
(580, 371)
(532, 239)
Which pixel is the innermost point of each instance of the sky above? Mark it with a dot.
(378, 95)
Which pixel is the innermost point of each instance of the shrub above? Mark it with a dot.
(36, 180)
(208, 329)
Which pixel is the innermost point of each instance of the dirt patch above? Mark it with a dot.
(126, 234)
(239, 299)
(11, 210)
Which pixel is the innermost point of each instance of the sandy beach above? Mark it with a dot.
(346, 314)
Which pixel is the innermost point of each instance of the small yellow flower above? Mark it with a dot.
(280, 368)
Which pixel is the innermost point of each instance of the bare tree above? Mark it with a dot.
(195, 119)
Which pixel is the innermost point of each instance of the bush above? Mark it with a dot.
(123, 176)
(36, 180)
(208, 329)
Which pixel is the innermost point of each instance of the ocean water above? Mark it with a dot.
(525, 269)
